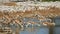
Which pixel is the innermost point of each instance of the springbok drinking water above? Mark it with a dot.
(32, 23)
(48, 24)
(20, 23)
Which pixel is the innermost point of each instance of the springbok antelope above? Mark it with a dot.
(32, 23)
(48, 24)
(41, 19)
(7, 19)
(18, 22)
(15, 23)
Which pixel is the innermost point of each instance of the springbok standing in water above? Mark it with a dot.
(48, 24)
(41, 18)
(32, 23)
(20, 23)
(46, 21)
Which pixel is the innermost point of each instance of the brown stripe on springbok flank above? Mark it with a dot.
(28, 14)
(10, 4)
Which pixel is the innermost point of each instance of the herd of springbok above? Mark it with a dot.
(34, 17)
(16, 17)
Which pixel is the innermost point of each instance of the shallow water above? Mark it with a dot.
(41, 30)
(35, 30)
(56, 29)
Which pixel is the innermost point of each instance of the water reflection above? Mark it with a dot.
(56, 29)
(35, 30)
(29, 30)
(33, 23)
